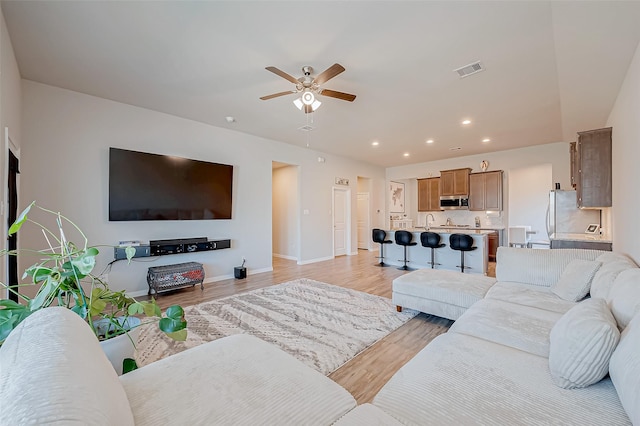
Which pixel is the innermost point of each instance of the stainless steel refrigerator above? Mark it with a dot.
(563, 215)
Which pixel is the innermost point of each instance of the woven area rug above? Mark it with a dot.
(322, 325)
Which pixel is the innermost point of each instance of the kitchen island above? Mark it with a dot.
(418, 256)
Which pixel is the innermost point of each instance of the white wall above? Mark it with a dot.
(285, 212)
(625, 120)
(66, 136)
(10, 117)
(556, 154)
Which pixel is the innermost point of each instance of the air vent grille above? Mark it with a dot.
(306, 128)
(470, 69)
(456, 148)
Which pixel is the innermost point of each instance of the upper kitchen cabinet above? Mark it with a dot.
(428, 194)
(485, 191)
(454, 182)
(593, 163)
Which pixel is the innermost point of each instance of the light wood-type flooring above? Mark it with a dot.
(365, 374)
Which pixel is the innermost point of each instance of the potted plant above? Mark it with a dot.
(63, 276)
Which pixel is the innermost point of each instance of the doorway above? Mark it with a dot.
(341, 221)
(364, 220)
(285, 218)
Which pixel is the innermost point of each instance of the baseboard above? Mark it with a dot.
(319, 259)
(284, 256)
(353, 253)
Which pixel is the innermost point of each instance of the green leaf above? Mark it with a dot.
(20, 220)
(136, 308)
(179, 336)
(81, 310)
(10, 304)
(7, 323)
(151, 309)
(84, 263)
(92, 251)
(97, 306)
(168, 325)
(47, 292)
(175, 312)
(130, 252)
(128, 365)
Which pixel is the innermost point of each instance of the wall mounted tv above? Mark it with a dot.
(145, 186)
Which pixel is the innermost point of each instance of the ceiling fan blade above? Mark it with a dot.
(282, 74)
(275, 95)
(329, 73)
(338, 95)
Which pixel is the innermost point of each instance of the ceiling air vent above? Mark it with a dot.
(456, 148)
(306, 128)
(467, 70)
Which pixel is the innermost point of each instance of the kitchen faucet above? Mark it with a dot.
(433, 219)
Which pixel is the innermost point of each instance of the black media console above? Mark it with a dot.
(177, 246)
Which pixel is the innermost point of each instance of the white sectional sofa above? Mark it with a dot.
(512, 357)
(493, 365)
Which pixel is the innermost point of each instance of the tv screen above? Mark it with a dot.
(145, 186)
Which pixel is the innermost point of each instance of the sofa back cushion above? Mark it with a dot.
(537, 267)
(624, 369)
(612, 265)
(53, 371)
(624, 296)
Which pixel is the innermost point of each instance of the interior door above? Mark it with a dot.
(340, 222)
(363, 220)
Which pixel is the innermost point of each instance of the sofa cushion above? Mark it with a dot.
(439, 292)
(238, 379)
(529, 295)
(460, 380)
(537, 267)
(612, 265)
(575, 281)
(53, 371)
(516, 326)
(624, 296)
(624, 369)
(582, 342)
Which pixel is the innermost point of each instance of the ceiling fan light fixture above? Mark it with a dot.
(308, 98)
(298, 103)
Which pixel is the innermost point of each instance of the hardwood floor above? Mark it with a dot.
(365, 374)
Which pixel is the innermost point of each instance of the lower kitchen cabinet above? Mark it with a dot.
(589, 245)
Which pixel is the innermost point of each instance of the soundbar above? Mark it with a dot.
(175, 246)
(186, 245)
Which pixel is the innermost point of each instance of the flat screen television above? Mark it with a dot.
(144, 186)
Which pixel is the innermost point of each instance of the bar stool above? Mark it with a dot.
(404, 238)
(461, 242)
(431, 240)
(379, 236)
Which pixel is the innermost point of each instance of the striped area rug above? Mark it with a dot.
(322, 325)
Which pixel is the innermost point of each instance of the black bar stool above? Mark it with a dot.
(431, 240)
(379, 236)
(462, 242)
(404, 238)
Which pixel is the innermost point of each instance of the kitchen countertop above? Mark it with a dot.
(580, 237)
(482, 228)
(450, 230)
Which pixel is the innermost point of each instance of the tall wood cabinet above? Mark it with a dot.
(485, 191)
(428, 194)
(593, 163)
(454, 182)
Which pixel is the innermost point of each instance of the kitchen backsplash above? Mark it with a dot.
(461, 217)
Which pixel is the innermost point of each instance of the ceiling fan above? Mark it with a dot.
(309, 86)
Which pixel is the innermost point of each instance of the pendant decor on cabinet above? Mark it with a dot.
(484, 165)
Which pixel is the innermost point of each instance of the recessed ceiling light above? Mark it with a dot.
(465, 122)
(429, 140)
(375, 143)
(406, 154)
(486, 140)
(230, 119)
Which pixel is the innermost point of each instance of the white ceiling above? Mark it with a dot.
(552, 68)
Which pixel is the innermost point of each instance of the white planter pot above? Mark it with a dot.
(120, 347)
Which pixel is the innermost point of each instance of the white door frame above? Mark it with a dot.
(347, 192)
(367, 219)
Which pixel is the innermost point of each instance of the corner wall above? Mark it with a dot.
(624, 119)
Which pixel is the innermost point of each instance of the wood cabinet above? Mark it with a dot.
(593, 159)
(454, 182)
(494, 241)
(429, 195)
(485, 191)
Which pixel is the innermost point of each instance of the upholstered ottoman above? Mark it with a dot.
(447, 294)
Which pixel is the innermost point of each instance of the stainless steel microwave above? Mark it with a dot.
(454, 202)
